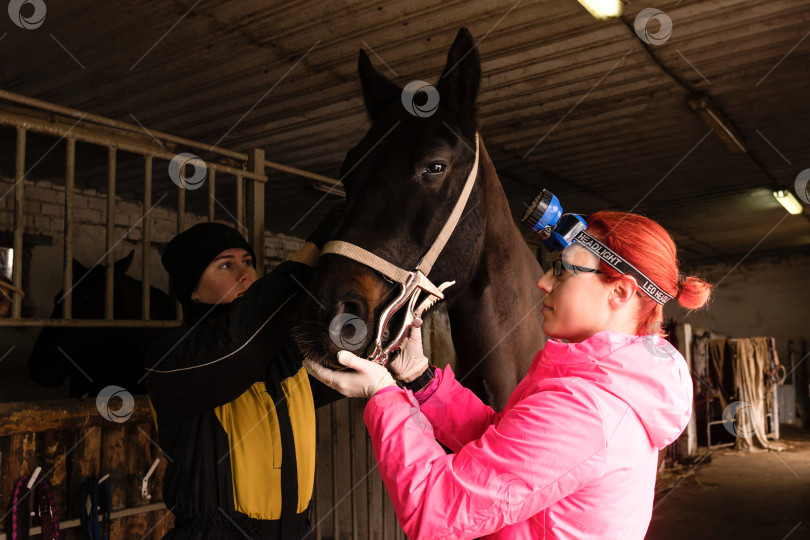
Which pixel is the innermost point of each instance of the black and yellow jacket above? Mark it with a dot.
(235, 415)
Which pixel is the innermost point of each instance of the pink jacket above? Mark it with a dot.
(573, 454)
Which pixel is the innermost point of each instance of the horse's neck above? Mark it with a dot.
(495, 321)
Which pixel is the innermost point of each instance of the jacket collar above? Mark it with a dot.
(193, 312)
(601, 344)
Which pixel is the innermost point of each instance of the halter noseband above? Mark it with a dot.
(412, 282)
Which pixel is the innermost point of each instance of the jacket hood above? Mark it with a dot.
(646, 372)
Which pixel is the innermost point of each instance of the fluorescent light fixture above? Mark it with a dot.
(714, 119)
(603, 9)
(787, 200)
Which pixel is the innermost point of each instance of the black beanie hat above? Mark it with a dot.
(189, 253)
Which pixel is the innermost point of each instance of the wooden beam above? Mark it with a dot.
(62, 414)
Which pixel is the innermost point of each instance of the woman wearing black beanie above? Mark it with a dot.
(234, 408)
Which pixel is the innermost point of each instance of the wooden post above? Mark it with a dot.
(19, 457)
(139, 458)
(19, 223)
(256, 209)
(181, 205)
(109, 285)
(52, 448)
(146, 239)
(687, 442)
(160, 522)
(85, 462)
(113, 462)
(67, 281)
(181, 210)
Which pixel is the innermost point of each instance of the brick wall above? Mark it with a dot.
(44, 214)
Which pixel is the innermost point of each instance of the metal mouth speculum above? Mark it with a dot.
(409, 294)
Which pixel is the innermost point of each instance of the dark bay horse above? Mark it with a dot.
(94, 358)
(402, 181)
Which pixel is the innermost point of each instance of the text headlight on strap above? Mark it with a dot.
(615, 261)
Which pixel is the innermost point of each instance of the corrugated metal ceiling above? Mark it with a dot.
(567, 102)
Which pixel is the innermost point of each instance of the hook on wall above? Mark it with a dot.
(145, 483)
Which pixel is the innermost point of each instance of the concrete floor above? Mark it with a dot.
(760, 496)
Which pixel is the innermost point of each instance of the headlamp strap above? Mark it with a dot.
(615, 261)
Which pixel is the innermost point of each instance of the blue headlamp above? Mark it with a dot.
(557, 230)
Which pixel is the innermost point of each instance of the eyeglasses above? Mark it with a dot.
(559, 265)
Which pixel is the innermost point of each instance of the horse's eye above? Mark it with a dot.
(435, 168)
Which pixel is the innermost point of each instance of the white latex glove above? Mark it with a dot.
(366, 380)
(411, 360)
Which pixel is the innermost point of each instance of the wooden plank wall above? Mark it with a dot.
(347, 482)
(72, 442)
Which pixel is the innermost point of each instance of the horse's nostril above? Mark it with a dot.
(347, 327)
(349, 306)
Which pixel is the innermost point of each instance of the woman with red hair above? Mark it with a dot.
(574, 453)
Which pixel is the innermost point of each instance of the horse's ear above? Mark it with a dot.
(458, 85)
(378, 90)
(78, 269)
(122, 265)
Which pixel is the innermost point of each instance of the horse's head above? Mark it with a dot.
(96, 357)
(88, 289)
(402, 181)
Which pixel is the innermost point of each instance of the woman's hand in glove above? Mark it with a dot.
(366, 379)
(411, 361)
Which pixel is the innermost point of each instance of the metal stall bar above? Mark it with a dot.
(256, 210)
(181, 215)
(300, 172)
(146, 238)
(123, 126)
(123, 142)
(181, 210)
(240, 203)
(212, 178)
(90, 323)
(67, 276)
(110, 272)
(19, 225)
